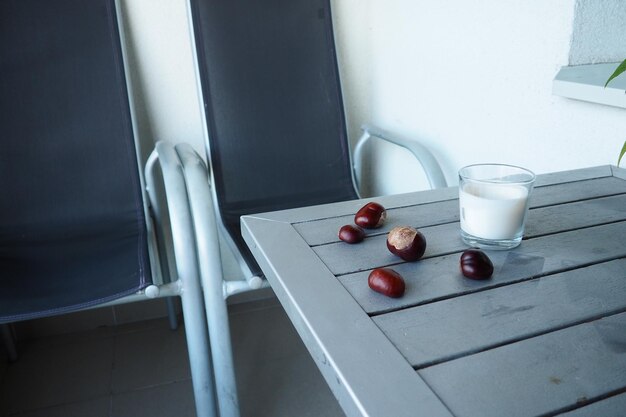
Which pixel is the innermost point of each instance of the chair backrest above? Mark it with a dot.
(273, 106)
(72, 221)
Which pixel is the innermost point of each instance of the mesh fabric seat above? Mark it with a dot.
(274, 111)
(72, 224)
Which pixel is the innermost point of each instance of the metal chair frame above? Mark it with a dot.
(205, 218)
(208, 226)
(181, 280)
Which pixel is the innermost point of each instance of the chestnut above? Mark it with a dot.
(371, 216)
(406, 242)
(475, 264)
(387, 282)
(351, 234)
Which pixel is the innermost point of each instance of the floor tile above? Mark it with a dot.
(264, 334)
(252, 299)
(170, 400)
(60, 339)
(140, 326)
(144, 310)
(150, 357)
(146, 366)
(4, 361)
(46, 375)
(285, 388)
(276, 376)
(79, 321)
(100, 407)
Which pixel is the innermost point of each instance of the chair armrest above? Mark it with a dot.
(183, 241)
(433, 171)
(164, 254)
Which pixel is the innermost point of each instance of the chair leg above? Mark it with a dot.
(9, 341)
(210, 267)
(221, 346)
(191, 291)
(171, 313)
(199, 354)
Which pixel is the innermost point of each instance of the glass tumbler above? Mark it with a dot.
(493, 202)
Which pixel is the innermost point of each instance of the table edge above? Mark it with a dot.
(376, 367)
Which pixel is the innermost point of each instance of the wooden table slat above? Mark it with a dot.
(552, 372)
(348, 208)
(433, 213)
(614, 406)
(618, 172)
(486, 319)
(437, 278)
(343, 258)
(573, 175)
(564, 217)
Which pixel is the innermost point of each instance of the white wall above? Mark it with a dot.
(162, 72)
(599, 33)
(471, 79)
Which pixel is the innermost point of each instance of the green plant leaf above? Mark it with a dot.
(621, 68)
(621, 153)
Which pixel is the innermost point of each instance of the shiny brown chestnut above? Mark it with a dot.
(475, 264)
(387, 282)
(406, 242)
(371, 216)
(351, 234)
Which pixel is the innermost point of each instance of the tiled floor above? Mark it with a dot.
(142, 369)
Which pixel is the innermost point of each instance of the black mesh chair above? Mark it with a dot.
(75, 231)
(276, 137)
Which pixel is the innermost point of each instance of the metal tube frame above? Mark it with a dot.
(433, 171)
(188, 275)
(211, 275)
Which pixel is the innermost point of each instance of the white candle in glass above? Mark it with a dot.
(493, 202)
(493, 211)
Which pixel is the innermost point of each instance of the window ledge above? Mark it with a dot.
(586, 82)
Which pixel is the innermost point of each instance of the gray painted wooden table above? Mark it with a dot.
(546, 335)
